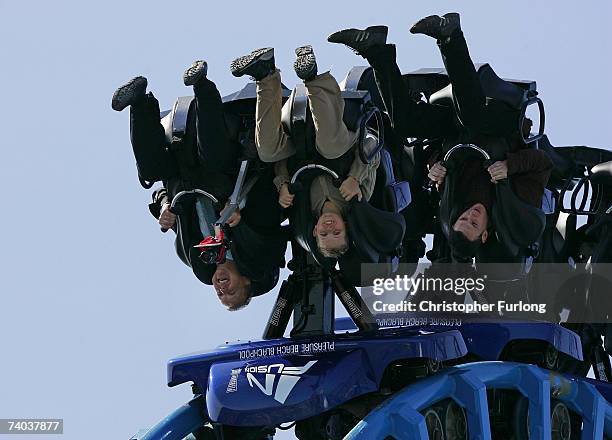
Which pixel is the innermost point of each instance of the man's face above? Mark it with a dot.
(230, 285)
(330, 231)
(472, 223)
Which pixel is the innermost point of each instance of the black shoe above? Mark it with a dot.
(129, 93)
(258, 64)
(195, 72)
(361, 40)
(436, 26)
(305, 65)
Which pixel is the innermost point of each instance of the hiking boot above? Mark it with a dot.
(361, 40)
(258, 64)
(129, 93)
(305, 65)
(195, 72)
(436, 26)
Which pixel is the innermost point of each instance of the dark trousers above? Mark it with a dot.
(210, 161)
(423, 120)
(217, 160)
(153, 160)
(214, 149)
(409, 118)
(478, 116)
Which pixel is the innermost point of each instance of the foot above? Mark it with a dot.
(129, 93)
(258, 64)
(361, 40)
(305, 65)
(436, 26)
(195, 72)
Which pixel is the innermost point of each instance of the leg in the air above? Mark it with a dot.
(469, 97)
(153, 160)
(214, 147)
(326, 105)
(409, 117)
(272, 142)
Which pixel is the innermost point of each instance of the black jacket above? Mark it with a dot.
(257, 242)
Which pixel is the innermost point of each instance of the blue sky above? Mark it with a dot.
(93, 300)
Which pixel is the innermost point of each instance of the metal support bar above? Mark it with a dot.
(279, 317)
(353, 303)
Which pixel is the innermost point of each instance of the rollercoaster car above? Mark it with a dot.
(410, 376)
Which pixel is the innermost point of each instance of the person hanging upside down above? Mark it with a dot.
(474, 119)
(335, 143)
(207, 159)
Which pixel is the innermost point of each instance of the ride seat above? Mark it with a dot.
(518, 225)
(388, 194)
(493, 87)
(360, 115)
(501, 90)
(235, 105)
(377, 232)
(602, 173)
(563, 167)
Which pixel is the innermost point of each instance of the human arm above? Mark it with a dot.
(159, 198)
(529, 161)
(234, 218)
(437, 173)
(281, 181)
(530, 171)
(160, 209)
(361, 177)
(535, 163)
(167, 219)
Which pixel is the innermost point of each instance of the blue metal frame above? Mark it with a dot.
(178, 425)
(353, 367)
(467, 385)
(487, 338)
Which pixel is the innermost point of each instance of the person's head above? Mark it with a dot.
(469, 231)
(473, 222)
(330, 233)
(233, 289)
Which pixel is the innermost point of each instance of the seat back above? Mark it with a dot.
(375, 238)
(390, 196)
(558, 238)
(297, 123)
(517, 94)
(363, 108)
(518, 224)
(602, 174)
(175, 121)
(564, 167)
(431, 80)
(493, 87)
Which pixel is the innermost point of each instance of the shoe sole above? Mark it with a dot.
(127, 93)
(239, 65)
(305, 65)
(354, 38)
(195, 73)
